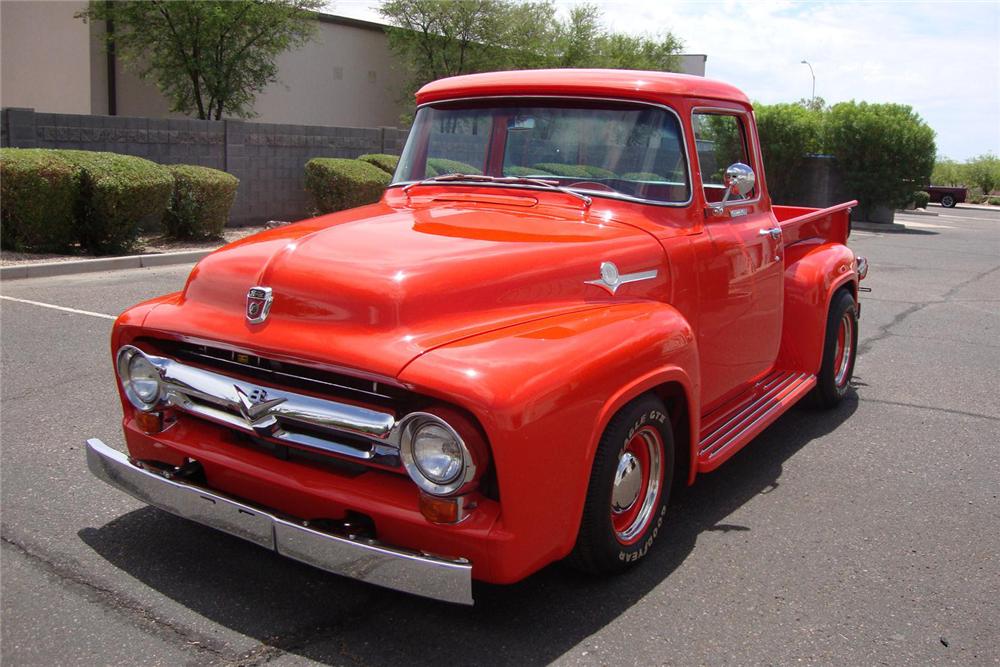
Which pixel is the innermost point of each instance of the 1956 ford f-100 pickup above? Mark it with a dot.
(575, 296)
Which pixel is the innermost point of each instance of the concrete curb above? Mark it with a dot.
(918, 211)
(878, 226)
(49, 269)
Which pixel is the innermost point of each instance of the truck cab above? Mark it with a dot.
(575, 295)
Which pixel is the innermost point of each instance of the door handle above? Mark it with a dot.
(773, 232)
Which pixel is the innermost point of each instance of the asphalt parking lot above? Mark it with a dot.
(865, 535)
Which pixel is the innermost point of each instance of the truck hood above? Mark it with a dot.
(372, 288)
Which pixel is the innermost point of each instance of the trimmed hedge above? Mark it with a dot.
(921, 199)
(38, 195)
(570, 170)
(443, 166)
(200, 203)
(643, 176)
(525, 172)
(383, 161)
(598, 172)
(337, 184)
(55, 199)
(119, 195)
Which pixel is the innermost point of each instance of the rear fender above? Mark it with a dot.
(543, 392)
(815, 271)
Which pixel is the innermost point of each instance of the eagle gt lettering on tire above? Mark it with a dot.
(630, 485)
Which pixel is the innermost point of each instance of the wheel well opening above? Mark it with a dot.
(673, 397)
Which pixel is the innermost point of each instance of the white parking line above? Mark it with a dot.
(62, 308)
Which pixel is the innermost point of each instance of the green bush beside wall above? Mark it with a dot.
(383, 161)
(119, 195)
(38, 196)
(200, 203)
(337, 184)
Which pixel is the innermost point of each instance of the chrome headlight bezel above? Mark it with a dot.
(410, 427)
(124, 364)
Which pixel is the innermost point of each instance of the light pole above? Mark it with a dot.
(806, 63)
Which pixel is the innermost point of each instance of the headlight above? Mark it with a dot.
(139, 377)
(434, 455)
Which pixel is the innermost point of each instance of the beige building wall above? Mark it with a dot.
(344, 77)
(45, 57)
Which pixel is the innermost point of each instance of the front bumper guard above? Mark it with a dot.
(358, 558)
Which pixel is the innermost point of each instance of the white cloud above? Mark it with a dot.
(941, 58)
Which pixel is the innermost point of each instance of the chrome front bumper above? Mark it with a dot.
(363, 559)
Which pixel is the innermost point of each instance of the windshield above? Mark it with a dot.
(610, 149)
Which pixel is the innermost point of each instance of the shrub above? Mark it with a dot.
(524, 172)
(337, 184)
(949, 173)
(643, 176)
(993, 201)
(983, 171)
(200, 203)
(570, 170)
(921, 199)
(884, 150)
(441, 165)
(788, 132)
(598, 172)
(119, 196)
(38, 195)
(386, 163)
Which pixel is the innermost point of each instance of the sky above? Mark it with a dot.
(941, 58)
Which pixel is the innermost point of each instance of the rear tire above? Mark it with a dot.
(630, 484)
(948, 201)
(839, 351)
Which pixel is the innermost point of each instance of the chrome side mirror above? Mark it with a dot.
(739, 180)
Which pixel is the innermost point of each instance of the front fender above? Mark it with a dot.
(815, 271)
(543, 392)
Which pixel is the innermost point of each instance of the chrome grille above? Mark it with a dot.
(280, 415)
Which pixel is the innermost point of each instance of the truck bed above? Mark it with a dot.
(800, 223)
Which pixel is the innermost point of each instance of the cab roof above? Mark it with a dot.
(631, 84)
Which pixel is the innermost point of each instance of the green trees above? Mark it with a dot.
(886, 151)
(983, 172)
(439, 38)
(209, 57)
(788, 133)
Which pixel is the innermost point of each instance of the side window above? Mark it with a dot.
(721, 140)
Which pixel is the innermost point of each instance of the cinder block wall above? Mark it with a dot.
(269, 159)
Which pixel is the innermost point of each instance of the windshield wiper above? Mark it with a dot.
(502, 180)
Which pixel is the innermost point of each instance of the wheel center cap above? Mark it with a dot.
(628, 480)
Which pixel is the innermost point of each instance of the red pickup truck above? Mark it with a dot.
(575, 296)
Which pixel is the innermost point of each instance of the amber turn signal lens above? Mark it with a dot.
(149, 422)
(444, 510)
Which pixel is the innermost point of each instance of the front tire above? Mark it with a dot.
(630, 484)
(948, 201)
(839, 351)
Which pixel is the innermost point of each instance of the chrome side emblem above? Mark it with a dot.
(255, 406)
(258, 304)
(611, 279)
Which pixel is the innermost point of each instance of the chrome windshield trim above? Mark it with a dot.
(603, 195)
(275, 413)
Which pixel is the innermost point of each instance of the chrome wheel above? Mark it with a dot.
(635, 492)
(844, 353)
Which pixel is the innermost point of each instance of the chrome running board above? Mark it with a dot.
(729, 428)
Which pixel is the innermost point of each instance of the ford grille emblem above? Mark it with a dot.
(258, 304)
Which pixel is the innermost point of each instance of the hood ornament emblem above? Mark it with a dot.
(258, 304)
(255, 406)
(611, 279)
